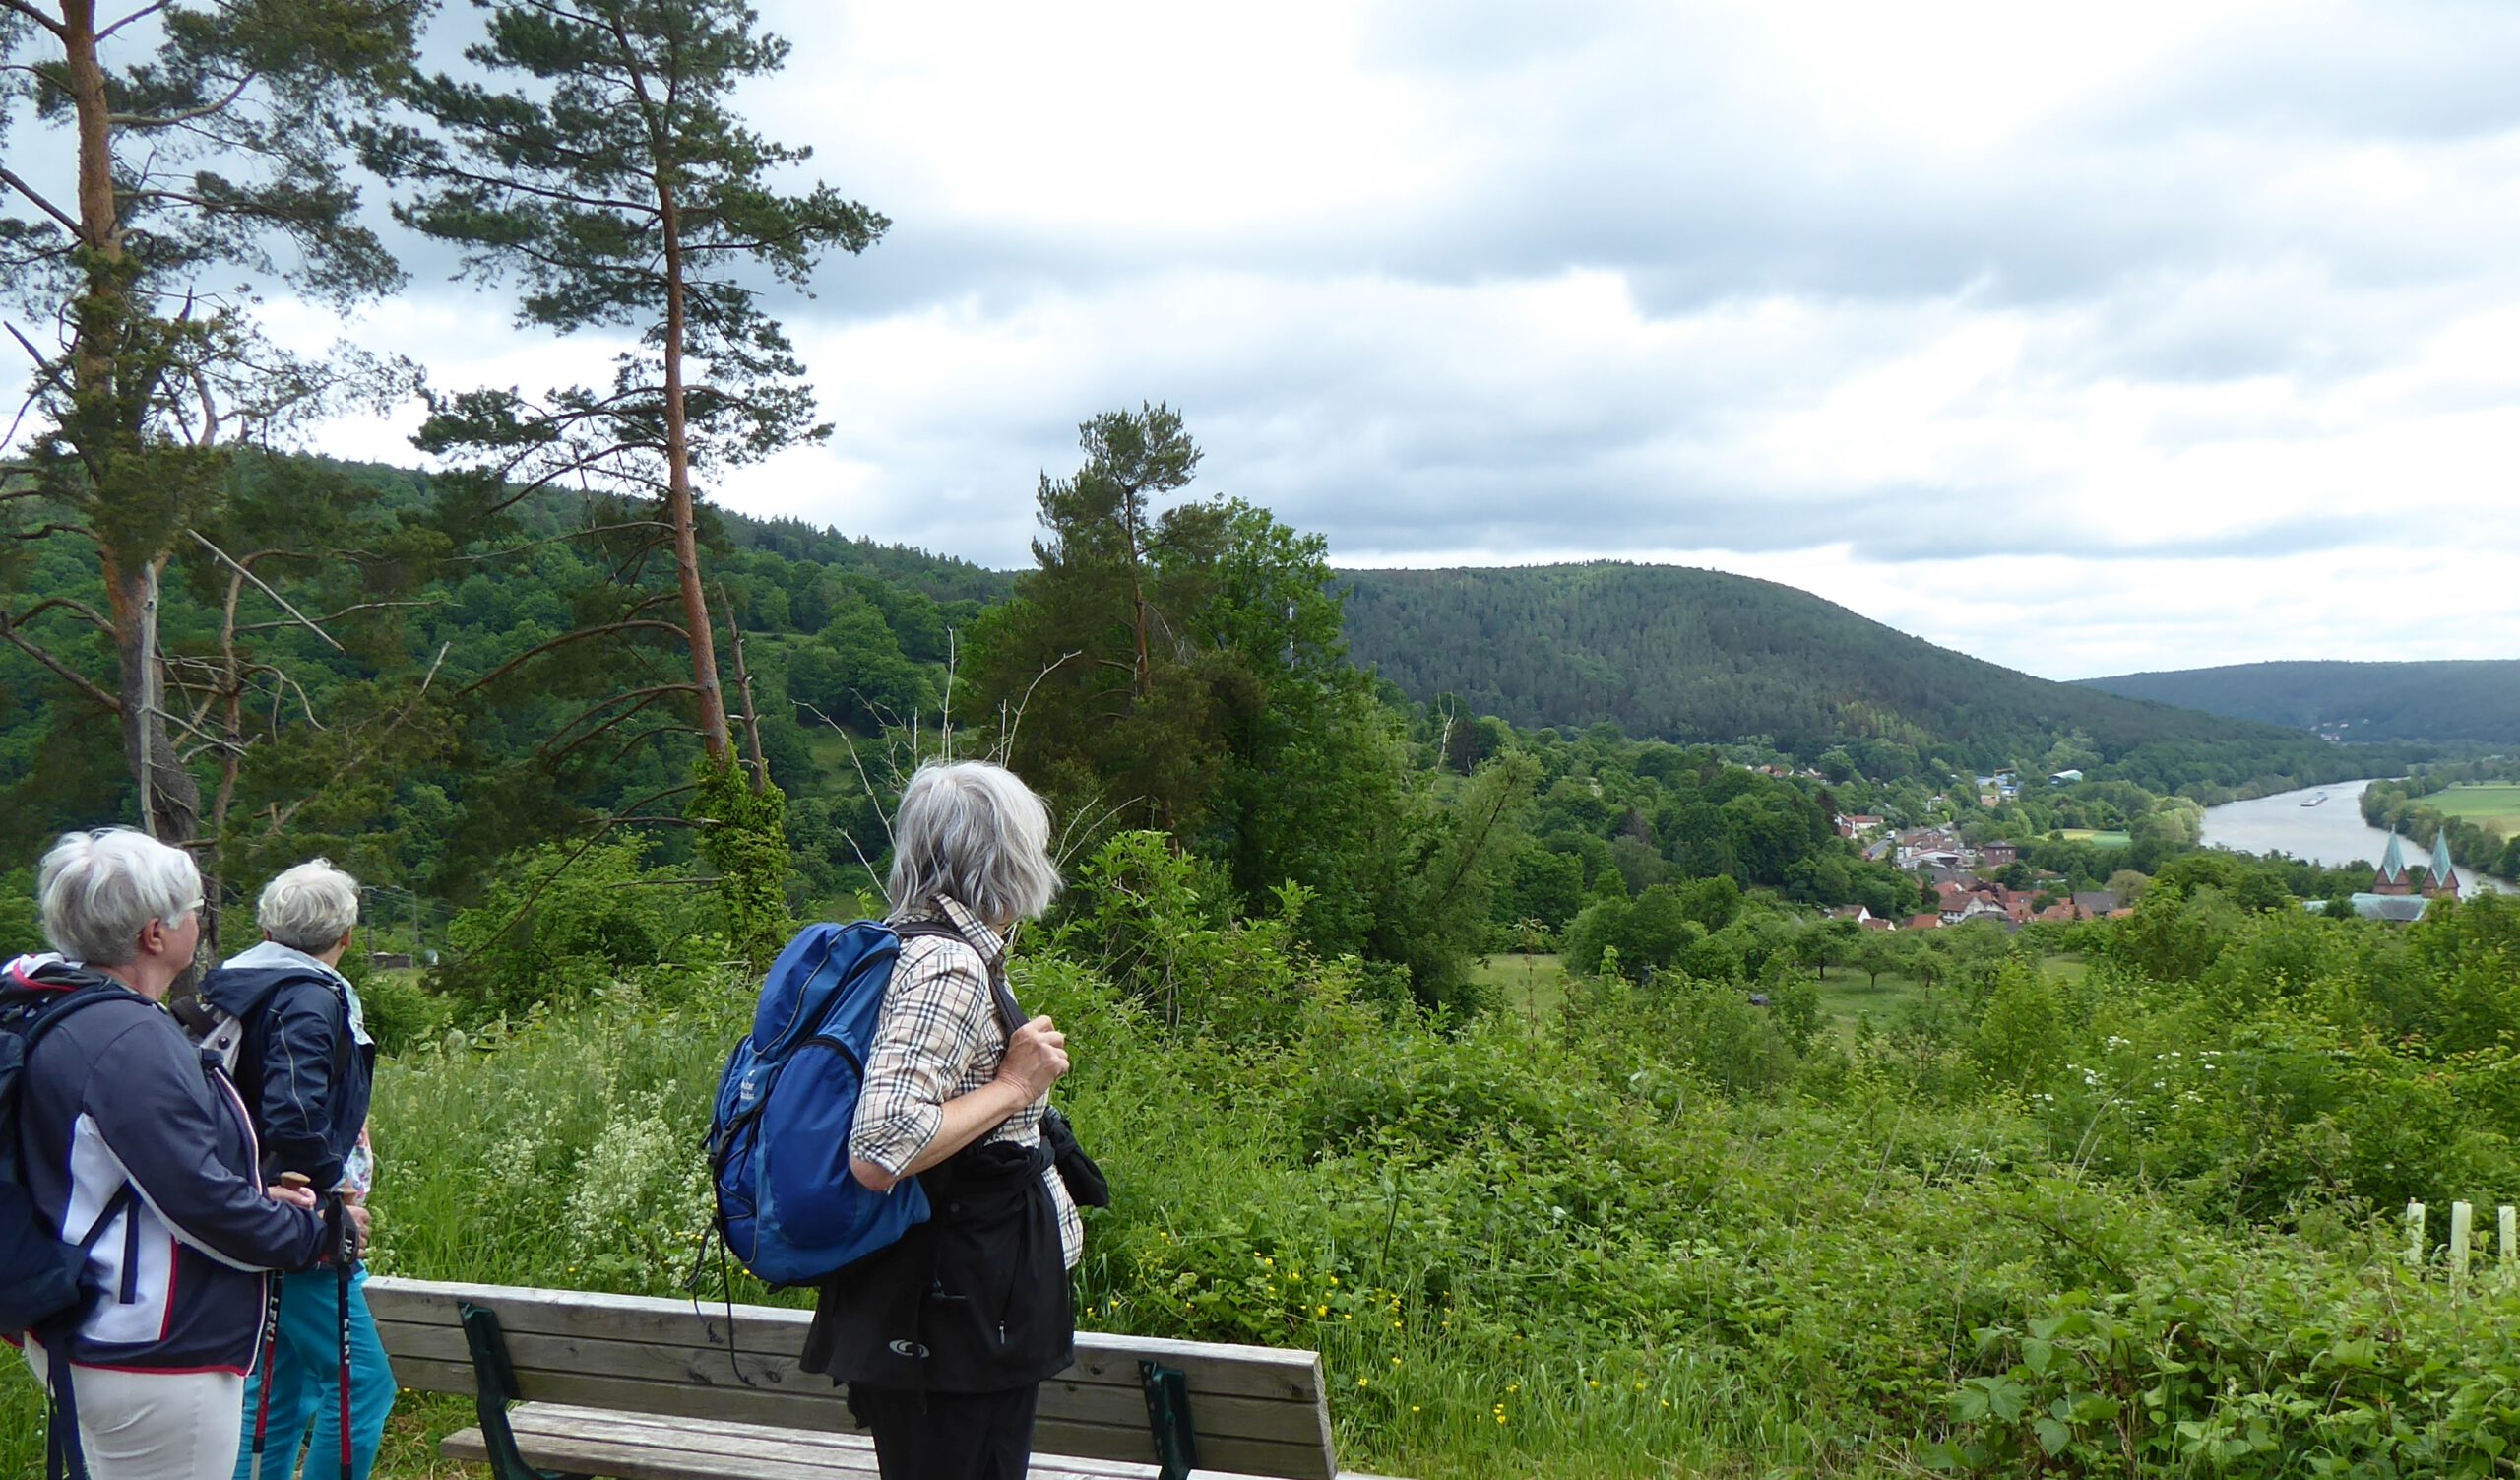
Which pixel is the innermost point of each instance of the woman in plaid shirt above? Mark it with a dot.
(945, 1338)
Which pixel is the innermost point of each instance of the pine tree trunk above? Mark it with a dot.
(104, 417)
(686, 544)
(105, 303)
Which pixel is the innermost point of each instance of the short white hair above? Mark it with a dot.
(99, 890)
(308, 908)
(975, 832)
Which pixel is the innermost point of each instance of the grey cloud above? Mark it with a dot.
(2414, 72)
(2202, 226)
(1614, 137)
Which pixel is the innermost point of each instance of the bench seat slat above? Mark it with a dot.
(639, 1446)
(555, 1421)
(631, 1461)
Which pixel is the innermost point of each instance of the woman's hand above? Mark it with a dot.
(1035, 1057)
(294, 1193)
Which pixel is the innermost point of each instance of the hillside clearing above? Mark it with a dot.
(2110, 839)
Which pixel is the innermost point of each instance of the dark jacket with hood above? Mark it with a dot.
(120, 1119)
(304, 1069)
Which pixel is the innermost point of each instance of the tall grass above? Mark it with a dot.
(1536, 1245)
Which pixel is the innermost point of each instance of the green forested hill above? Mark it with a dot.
(1701, 655)
(836, 629)
(943, 578)
(2476, 700)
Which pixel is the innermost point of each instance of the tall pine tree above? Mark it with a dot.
(196, 147)
(616, 186)
(604, 169)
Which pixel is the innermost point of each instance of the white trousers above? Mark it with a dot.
(154, 1425)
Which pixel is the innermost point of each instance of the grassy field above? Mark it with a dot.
(2117, 839)
(1849, 995)
(1531, 987)
(2494, 804)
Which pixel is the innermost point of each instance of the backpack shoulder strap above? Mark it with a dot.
(1010, 1012)
(50, 1015)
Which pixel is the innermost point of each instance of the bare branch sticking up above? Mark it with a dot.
(303, 619)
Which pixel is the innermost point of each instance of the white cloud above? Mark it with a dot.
(2167, 335)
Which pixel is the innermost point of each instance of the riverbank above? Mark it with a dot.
(2333, 832)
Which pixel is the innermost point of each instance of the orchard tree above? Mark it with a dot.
(192, 145)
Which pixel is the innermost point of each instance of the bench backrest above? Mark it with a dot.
(1256, 1410)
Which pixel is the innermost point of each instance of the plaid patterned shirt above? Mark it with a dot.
(939, 1038)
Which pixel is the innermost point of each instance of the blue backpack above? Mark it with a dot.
(787, 1205)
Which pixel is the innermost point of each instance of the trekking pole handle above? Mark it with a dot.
(349, 1236)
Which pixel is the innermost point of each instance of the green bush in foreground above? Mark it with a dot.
(2117, 1222)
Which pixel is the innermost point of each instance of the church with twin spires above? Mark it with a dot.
(2438, 880)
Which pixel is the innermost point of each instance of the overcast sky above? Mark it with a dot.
(2084, 339)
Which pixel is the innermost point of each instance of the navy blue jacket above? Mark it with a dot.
(116, 1096)
(304, 1075)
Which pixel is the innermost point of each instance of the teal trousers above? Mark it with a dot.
(304, 1369)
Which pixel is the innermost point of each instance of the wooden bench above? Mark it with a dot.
(642, 1389)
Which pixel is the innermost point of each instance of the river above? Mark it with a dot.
(2332, 832)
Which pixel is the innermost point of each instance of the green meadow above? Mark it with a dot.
(2492, 804)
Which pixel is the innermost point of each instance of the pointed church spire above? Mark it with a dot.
(2391, 878)
(2444, 879)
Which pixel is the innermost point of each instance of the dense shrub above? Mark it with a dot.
(559, 925)
(2057, 1222)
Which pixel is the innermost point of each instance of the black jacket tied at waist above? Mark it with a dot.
(974, 1300)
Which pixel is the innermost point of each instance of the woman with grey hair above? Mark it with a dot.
(944, 1338)
(304, 1062)
(137, 1155)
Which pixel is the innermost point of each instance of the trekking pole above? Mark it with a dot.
(270, 1363)
(270, 1347)
(343, 1257)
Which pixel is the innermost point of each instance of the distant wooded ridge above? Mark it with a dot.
(1677, 653)
(1706, 656)
(2474, 700)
